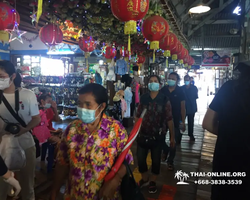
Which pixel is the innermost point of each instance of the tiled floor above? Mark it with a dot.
(190, 157)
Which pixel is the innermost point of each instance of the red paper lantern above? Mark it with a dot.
(8, 16)
(169, 42)
(154, 29)
(178, 48)
(110, 52)
(186, 59)
(191, 61)
(141, 59)
(51, 35)
(87, 44)
(183, 53)
(129, 11)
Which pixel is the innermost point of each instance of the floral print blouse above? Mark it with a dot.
(90, 156)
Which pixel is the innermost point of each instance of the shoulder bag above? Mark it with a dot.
(19, 119)
(129, 188)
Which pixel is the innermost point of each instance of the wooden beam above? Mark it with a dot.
(214, 12)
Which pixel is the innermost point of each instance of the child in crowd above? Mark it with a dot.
(45, 132)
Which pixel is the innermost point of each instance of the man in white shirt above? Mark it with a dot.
(28, 111)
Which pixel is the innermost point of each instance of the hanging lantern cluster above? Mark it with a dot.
(87, 44)
(168, 44)
(129, 11)
(155, 29)
(51, 35)
(8, 17)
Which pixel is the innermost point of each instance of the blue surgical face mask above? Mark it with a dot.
(171, 82)
(86, 115)
(187, 82)
(47, 105)
(154, 87)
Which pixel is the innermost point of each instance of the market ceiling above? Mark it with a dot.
(217, 29)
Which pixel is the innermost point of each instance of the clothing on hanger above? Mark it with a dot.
(98, 78)
(111, 74)
(121, 67)
(119, 86)
(128, 98)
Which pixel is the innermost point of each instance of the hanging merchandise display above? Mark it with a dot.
(87, 44)
(129, 11)
(154, 29)
(69, 31)
(8, 16)
(51, 35)
(177, 50)
(15, 33)
(109, 52)
(168, 44)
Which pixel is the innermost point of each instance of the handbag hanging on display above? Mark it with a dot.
(19, 119)
(129, 188)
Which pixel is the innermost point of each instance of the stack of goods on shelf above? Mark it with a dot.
(72, 83)
(50, 84)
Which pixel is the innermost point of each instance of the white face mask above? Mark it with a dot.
(4, 83)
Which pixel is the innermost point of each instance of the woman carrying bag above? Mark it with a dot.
(151, 135)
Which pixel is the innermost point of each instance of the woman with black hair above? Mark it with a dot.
(29, 113)
(228, 117)
(152, 131)
(89, 148)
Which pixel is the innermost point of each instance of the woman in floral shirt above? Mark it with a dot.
(88, 150)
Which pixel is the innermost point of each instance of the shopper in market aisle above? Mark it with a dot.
(153, 132)
(191, 95)
(228, 117)
(43, 130)
(177, 100)
(8, 177)
(89, 148)
(29, 113)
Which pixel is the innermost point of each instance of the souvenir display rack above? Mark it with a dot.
(64, 90)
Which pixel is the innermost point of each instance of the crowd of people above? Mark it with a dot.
(90, 145)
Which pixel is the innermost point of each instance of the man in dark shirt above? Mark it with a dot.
(177, 100)
(191, 94)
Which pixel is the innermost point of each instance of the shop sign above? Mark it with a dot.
(216, 57)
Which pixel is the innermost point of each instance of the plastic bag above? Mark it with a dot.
(12, 153)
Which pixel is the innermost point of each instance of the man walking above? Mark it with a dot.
(177, 100)
(191, 94)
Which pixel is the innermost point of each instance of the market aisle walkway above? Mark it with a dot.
(190, 157)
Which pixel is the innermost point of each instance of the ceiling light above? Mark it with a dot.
(199, 9)
(237, 10)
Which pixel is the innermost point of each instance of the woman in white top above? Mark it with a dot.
(10, 81)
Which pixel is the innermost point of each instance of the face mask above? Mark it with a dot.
(86, 115)
(47, 105)
(4, 83)
(171, 82)
(154, 87)
(187, 82)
